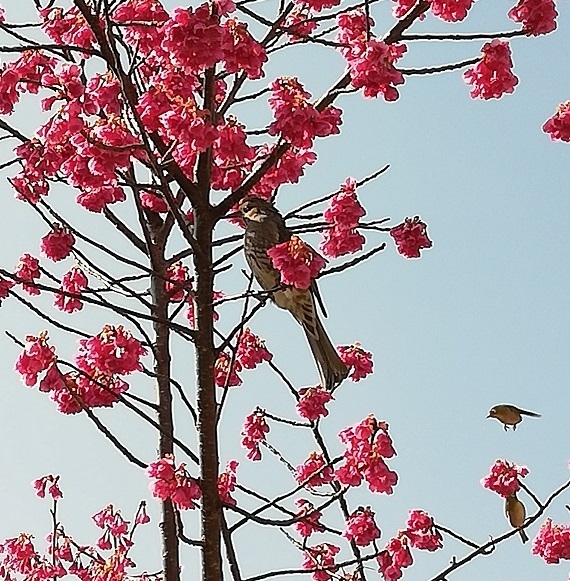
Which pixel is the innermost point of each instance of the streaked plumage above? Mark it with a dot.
(510, 415)
(264, 228)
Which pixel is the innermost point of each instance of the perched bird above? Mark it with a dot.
(510, 415)
(516, 513)
(264, 228)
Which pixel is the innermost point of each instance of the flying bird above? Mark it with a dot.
(516, 513)
(510, 415)
(264, 228)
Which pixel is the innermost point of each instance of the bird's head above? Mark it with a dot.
(492, 413)
(254, 209)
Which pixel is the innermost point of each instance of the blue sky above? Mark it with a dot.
(482, 318)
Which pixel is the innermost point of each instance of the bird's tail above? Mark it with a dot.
(523, 535)
(331, 368)
(531, 414)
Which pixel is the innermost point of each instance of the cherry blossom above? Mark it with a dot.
(421, 531)
(152, 202)
(558, 126)
(308, 516)
(67, 27)
(297, 263)
(226, 370)
(36, 358)
(299, 22)
(227, 482)
(314, 471)
(57, 244)
(167, 481)
(311, 404)
(451, 10)
(49, 483)
(27, 272)
(179, 282)
(504, 478)
(5, 286)
(492, 77)
(241, 52)
(322, 558)
(552, 543)
(73, 282)
(253, 433)
(395, 557)
(361, 528)
(251, 350)
(536, 16)
(410, 237)
(359, 360)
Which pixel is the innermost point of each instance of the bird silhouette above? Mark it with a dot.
(516, 513)
(509, 415)
(264, 228)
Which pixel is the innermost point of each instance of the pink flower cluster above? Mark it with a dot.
(558, 126)
(536, 16)
(343, 214)
(321, 560)
(57, 244)
(296, 119)
(367, 445)
(72, 283)
(504, 478)
(167, 481)
(35, 359)
(492, 77)
(359, 360)
(27, 271)
(314, 471)
(20, 557)
(227, 483)
(370, 61)
(67, 27)
(253, 433)
(395, 557)
(421, 531)
(451, 10)
(115, 528)
(297, 263)
(152, 202)
(410, 237)
(299, 22)
(251, 350)
(361, 528)
(308, 519)
(226, 371)
(311, 404)
(178, 282)
(552, 542)
(49, 483)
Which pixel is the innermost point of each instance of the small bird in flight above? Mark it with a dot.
(510, 415)
(516, 513)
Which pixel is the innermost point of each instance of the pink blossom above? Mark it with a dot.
(67, 27)
(311, 404)
(226, 370)
(321, 558)
(253, 433)
(113, 351)
(504, 478)
(353, 27)
(395, 557)
(361, 528)
(167, 481)
(337, 242)
(36, 357)
(552, 542)
(227, 482)
(410, 237)
(308, 519)
(296, 119)
(20, 555)
(367, 445)
(27, 272)
(451, 10)
(318, 5)
(402, 7)
(142, 517)
(154, 203)
(297, 263)
(492, 77)
(359, 360)
(186, 492)
(536, 16)
(179, 282)
(251, 350)
(51, 483)
(299, 23)
(314, 471)
(241, 51)
(73, 282)
(558, 126)
(421, 531)
(57, 244)
(5, 286)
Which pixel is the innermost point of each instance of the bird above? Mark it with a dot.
(509, 415)
(265, 228)
(516, 513)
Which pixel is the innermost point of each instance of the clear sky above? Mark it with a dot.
(482, 318)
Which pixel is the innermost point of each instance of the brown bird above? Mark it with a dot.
(516, 513)
(264, 228)
(510, 415)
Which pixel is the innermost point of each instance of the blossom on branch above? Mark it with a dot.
(57, 244)
(361, 528)
(322, 558)
(410, 237)
(73, 282)
(167, 481)
(504, 478)
(251, 350)
(297, 263)
(308, 519)
(36, 358)
(552, 543)
(314, 471)
(226, 370)
(558, 126)
(253, 433)
(359, 360)
(450, 10)
(67, 27)
(27, 272)
(536, 16)
(49, 482)
(311, 404)
(395, 557)
(421, 531)
(492, 76)
(227, 482)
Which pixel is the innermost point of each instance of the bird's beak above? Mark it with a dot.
(489, 416)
